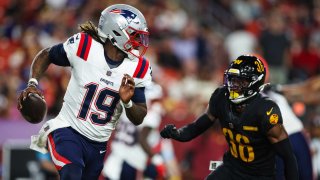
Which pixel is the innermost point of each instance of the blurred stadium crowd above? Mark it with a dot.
(191, 44)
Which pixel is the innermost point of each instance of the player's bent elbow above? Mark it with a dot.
(137, 122)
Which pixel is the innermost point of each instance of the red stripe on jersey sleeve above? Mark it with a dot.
(146, 67)
(87, 48)
(138, 68)
(80, 45)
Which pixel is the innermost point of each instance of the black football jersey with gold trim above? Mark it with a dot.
(249, 151)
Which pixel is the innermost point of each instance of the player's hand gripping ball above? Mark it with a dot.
(32, 105)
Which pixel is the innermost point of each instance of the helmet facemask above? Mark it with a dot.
(138, 42)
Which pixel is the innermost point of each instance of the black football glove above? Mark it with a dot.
(170, 131)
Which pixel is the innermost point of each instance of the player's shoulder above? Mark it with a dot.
(219, 92)
(80, 45)
(266, 106)
(141, 67)
(141, 72)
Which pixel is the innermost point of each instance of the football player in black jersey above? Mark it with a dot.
(250, 121)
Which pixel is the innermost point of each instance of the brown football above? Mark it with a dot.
(34, 108)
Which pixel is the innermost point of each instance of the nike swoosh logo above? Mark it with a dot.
(102, 151)
(269, 112)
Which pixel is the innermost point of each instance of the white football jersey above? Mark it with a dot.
(125, 145)
(92, 102)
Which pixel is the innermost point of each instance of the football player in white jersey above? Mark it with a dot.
(133, 146)
(108, 74)
(138, 152)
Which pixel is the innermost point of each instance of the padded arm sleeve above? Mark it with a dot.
(58, 56)
(194, 129)
(284, 150)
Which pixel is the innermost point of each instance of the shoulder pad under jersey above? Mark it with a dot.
(78, 46)
(143, 73)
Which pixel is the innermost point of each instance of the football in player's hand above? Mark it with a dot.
(34, 108)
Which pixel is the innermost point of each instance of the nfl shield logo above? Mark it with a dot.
(109, 73)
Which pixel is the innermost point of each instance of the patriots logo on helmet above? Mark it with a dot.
(130, 16)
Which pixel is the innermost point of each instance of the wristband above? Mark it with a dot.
(127, 105)
(33, 82)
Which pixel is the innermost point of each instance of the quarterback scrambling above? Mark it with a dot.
(108, 76)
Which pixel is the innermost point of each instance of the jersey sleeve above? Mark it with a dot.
(77, 46)
(58, 56)
(270, 115)
(143, 73)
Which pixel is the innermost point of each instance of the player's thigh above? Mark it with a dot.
(303, 156)
(93, 167)
(128, 172)
(94, 156)
(65, 148)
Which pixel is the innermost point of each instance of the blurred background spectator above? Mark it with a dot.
(191, 45)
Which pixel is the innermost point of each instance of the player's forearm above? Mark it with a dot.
(136, 113)
(194, 129)
(142, 138)
(40, 64)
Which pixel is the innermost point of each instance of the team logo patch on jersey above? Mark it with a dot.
(274, 119)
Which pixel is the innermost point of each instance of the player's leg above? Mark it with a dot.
(94, 154)
(303, 155)
(128, 172)
(66, 153)
(112, 166)
(279, 168)
(116, 168)
(221, 173)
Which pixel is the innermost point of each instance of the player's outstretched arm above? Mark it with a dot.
(281, 144)
(134, 111)
(39, 65)
(56, 55)
(190, 131)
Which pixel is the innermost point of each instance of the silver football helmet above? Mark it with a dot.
(126, 27)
